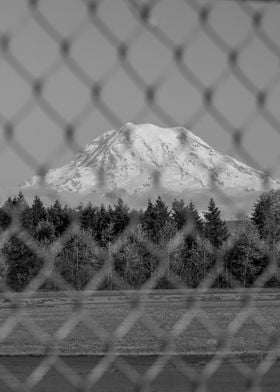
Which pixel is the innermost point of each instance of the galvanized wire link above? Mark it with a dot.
(223, 340)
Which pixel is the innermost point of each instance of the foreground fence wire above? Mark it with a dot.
(60, 63)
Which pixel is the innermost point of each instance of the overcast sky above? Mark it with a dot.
(95, 50)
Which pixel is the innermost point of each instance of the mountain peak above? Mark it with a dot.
(151, 132)
(138, 157)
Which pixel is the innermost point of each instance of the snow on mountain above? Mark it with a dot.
(135, 158)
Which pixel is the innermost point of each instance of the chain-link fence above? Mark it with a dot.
(69, 67)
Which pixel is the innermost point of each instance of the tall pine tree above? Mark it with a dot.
(101, 224)
(120, 217)
(179, 213)
(266, 216)
(88, 215)
(31, 216)
(13, 209)
(154, 218)
(195, 219)
(59, 218)
(215, 229)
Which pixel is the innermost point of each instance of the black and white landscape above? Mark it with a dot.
(139, 196)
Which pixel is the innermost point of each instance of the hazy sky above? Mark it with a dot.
(94, 49)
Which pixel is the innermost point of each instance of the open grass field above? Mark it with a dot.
(50, 313)
(25, 334)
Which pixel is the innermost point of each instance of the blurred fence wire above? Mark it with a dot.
(60, 56)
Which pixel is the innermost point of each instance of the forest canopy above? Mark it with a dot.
(115, 247)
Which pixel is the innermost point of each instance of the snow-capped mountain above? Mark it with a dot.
(137, 157)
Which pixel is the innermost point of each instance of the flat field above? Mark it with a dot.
(200, 323)
(54, 319)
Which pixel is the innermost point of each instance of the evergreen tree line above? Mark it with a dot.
(131, 245)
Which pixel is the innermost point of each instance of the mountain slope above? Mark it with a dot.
(136, 158)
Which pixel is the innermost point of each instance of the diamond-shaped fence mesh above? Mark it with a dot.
(105, 310)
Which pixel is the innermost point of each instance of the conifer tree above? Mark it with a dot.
(59, 217)
(154, 218)
(260, 210)
(215, 229)
(10, 203)
(38, 211)
(148, 219)
(193, 228)
(87, 217)
(120, 217)
(266, 216)
(195, 219)
(33, 215)
(20, 202)
(179, 213)
(101, 223)
(13, 209)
